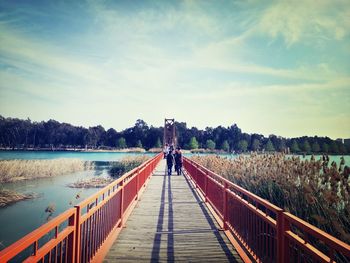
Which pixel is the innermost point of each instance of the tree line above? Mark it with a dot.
(21, 134)
(233, 139)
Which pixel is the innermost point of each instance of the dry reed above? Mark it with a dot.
(8, 197)
(126, 164)
(16, 170)
(97, 182)
(155, 150)
(313, 190)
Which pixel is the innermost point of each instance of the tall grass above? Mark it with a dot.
(126, 164)
(314, 190)
(117, 169)
(15, 170)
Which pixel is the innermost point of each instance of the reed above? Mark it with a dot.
(126, 164)
(314, 190)
(97, 182)
(155, 150)
(8, 197)
(16, 170)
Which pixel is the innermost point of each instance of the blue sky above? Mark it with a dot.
(272, 67)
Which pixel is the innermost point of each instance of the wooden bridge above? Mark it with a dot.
(200, 216)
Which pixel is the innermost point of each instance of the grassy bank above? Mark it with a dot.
(316, 190)
(16, 170)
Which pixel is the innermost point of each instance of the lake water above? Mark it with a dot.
(22, 217)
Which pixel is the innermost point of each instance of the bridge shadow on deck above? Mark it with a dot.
(171, 231)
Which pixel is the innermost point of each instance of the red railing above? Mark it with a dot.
(86, 232)
(264, 231)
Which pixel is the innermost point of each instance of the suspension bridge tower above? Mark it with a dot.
(169, 132)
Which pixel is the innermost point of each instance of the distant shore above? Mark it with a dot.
(152, 150)
(125, 150)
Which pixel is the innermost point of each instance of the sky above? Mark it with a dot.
(271, 67)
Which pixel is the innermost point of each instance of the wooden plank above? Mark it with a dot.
(171, 223)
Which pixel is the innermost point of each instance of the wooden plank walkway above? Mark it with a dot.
(171, 223)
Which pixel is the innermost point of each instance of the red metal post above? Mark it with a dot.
(71, 239)
(121, 203)
(77, 234)
(137, 183)
(282, 241)
(225, 206)
(195, 175)
(206, 186)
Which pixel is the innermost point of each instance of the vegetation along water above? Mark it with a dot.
(314, 189)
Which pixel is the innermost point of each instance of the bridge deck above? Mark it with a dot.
(171, 223)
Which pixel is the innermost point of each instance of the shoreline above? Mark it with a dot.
(126, 150)
(149, 151)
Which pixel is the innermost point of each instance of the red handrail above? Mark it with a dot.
(265, 231)
(82, 233)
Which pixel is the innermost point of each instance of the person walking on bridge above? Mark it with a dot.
(170, 161)
(178, 161)
(165, 150)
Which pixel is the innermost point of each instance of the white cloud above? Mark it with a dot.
(298, 21)
(29, 55)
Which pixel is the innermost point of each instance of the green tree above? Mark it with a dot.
(325, 147)
(243, 145)
(210, 144)
(306, 146)
(281, 145)
(269, 146)
(139, 144)
(225, 146)
(193, 143)
(111, 137)
(255, 145)
(334, 147)
(315, 147)
(158, 144)
(342, 148)
(121, 143)
(347, 147)
(295, 147)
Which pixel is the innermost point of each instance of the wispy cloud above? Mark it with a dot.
(29, 55)
(297, 21)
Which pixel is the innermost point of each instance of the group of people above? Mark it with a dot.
(173, 158)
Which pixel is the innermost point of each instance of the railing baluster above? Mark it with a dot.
(225, 206)
(122, 203)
